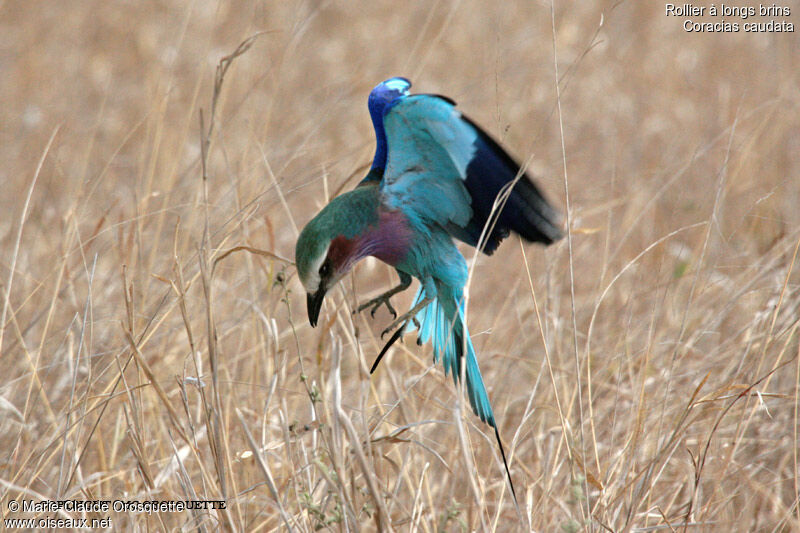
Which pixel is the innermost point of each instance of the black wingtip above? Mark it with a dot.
(526, 212)
(505, 464)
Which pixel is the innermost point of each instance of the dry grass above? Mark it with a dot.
(644, 373)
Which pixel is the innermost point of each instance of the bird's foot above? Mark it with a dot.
(411, 315)
(383, 299)
(375, 303)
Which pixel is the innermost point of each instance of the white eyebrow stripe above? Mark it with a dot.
(312, 283)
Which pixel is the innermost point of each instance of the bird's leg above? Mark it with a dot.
(411, 315)
(429, 290)
(375, 303)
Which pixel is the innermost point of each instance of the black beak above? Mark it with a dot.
(314, 302)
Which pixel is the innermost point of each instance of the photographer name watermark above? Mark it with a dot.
(764, 18)
(61, 510)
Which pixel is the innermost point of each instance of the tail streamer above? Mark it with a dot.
(442, 323)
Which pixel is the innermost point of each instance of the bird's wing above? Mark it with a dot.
(426, 161)
(442, 167)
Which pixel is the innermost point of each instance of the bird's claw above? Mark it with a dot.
(419, 328)
(387, 331)
(375, 303)
(401, 323)
(390, 327)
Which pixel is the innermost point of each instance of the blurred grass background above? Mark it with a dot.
(657, 389)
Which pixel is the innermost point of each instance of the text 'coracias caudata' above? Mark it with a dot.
(436, 176)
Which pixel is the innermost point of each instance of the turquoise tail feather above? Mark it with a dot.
(436, 325)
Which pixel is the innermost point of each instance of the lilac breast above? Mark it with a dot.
(390, 240)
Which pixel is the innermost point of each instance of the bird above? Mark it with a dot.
(436, 177)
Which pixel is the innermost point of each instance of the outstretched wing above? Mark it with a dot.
(441, 167)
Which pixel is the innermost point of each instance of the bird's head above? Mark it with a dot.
(326, 250)
(316, 270)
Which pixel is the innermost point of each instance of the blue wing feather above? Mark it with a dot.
(436, 156)
(426, 161)
(526, 211)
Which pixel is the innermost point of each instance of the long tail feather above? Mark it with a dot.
(443, 322)
(505, 463)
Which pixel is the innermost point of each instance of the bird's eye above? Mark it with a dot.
(325, 269)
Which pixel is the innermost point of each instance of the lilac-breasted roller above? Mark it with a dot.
(435, 176)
